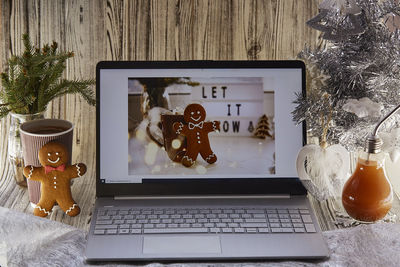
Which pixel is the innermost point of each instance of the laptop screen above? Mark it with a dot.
(188, 123)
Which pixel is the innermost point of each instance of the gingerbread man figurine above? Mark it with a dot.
(196, 131)
(54, 178)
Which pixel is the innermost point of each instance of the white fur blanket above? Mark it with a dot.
(26, 240)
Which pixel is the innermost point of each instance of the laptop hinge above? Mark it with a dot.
(204, 197)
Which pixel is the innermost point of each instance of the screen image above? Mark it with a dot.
(196, 126)
(244, 124)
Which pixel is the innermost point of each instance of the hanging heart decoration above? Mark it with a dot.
(323, 171)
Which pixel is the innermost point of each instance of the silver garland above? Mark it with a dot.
(356, 65)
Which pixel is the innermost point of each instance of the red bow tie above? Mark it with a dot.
(48, 169)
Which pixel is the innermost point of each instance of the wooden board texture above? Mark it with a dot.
(141, 30)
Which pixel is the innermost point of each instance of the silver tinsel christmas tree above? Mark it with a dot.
(354, 79)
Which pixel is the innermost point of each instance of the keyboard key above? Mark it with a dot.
(239, 230)
(239, 211)
(112, 212)
(123, 212)
(148, 225)
(101, 212)
(259, 216)
(155, 221)
(284, 216)
(255, 220)
(141, 217)
(273, 220)
(304, 211)
(116, 217)
(310, 228)
(173, 225)
(227, 230)
(293, 211)
(119, 221)
(234, 216)
(275, 224)
(105, 217)
(158, 212)
(221, 224)
(105, 227)
(143, 221)
(222, 216)
(299, 230)
(263, 230)
(146, 212)
(104, 222)
(285, 220)
(306, 218)
(209, 225)
(238, 220)
(152, 217)
(226, 220)
(281, 230)
(252, 225)
(184, 225)
(134, 212)
(251, 230)
(273, 216)
(99, 232)
(271, 211)
(164, 216)
(136, 226)
(136, 231)
(295, 216)
(233, 225)
(298, 225)
(246, 216)
(202, 220)
(215, 220)
(124, 226)
(175, 230)
(187, 216)
(297, 221)
(211, 216)
(228, 211)
(197, 225)
(282, 211)
(123, 231)
(112, 232)
(161, 225)
(190, 221)
(286, 225)
(128, 217)
(178, 220)
(199, 216)
(215, 230)
(255, 211)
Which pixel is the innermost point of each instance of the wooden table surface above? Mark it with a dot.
(143, 30)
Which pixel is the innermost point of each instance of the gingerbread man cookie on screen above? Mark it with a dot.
(54, 177)
(196, 131)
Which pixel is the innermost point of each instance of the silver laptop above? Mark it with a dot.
(164, 195)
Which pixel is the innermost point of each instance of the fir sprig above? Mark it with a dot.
(34, 79)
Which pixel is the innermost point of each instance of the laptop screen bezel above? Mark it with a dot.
(236, 186)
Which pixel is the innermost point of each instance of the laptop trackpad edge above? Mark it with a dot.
(181, 245)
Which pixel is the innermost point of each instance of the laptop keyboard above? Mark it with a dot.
(126, 221)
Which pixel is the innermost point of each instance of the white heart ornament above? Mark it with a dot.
(323, 171)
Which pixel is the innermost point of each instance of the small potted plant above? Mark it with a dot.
(32, 81)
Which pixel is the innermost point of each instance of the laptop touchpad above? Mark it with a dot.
(181, 244)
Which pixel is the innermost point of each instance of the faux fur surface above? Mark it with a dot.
(26, 240)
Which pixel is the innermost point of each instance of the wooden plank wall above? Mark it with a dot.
(140, 30)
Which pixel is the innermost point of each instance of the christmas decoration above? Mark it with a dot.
(262, 129)
(351, 67)
(323, 170)
(335, 12)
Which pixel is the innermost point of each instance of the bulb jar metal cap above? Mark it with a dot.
(373, 144)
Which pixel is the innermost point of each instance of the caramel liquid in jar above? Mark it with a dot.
(367, 195)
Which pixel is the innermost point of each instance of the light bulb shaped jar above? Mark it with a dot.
(368, 195)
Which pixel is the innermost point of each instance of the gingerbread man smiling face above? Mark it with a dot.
(55, 176)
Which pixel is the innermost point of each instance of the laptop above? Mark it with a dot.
(239, 197)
